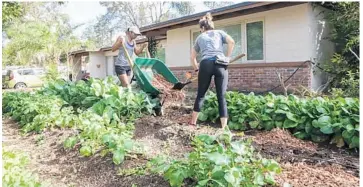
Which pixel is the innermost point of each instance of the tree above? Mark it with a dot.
(120, 15)
(217, 4)
(40, 37)
(10, 11)
(183, 8)
(343, 68)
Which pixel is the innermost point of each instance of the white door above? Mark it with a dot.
(110, 66)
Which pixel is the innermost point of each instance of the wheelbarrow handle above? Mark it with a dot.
(129, 60)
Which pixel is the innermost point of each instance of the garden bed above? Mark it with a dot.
(98, 134)
(304, 163)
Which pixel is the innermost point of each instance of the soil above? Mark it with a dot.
(304, 163)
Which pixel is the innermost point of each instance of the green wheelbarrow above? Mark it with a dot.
(143, 71)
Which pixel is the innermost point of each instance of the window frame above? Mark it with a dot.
(263, 39)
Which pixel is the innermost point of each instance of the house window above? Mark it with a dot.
(254, 37)
(235, 32)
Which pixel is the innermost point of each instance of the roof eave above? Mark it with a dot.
(197, 16)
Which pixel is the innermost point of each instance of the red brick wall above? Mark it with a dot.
(259, 77)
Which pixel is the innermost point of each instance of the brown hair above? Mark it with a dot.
(206, 22)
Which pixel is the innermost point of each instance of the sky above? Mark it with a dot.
(87, 12)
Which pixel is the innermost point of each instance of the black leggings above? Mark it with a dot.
(206, 70)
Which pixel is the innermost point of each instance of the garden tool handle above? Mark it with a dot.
(131, 63)
(236, 58)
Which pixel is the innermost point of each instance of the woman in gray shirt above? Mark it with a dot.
(210, 45)
(122, 67)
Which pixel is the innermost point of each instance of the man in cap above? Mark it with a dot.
(122, 66)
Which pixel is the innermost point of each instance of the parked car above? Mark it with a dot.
(25, 77)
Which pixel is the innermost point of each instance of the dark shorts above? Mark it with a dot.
(120, 70)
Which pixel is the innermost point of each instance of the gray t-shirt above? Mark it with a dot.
(210, 43)
(121, 59)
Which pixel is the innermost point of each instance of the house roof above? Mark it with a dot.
(108, 48)
(159, 29)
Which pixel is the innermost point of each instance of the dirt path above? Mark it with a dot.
(303, 163)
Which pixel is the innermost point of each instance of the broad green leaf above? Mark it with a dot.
(269, 125)
(327, 129)
(99, 107)
(279, 111)
(321, 110)
(203, 182)
(349, 127)
(278, 124)
(289, 124)
(238, 147)
(218, 173)
(301, 135)
(85, 151)
(218, 158)
(230, 178)
(254, 124)
(291, 117)
(208, 139)
(241, 120)
(70, 142)
(315, 123)
(355, 142)
(176, 177)
(274, 167)
(265, 118)
(106, 138)
(270, 104)
(324, 120)
(118, 156)
(258, 178)
(347, 134)
(202, 116)
(97, 87)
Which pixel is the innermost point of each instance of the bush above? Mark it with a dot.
(317, 119)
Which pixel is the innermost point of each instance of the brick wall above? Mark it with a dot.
(259, 77)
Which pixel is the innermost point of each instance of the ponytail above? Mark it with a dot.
(206, 22)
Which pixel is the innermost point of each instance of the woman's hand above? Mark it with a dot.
(193, 59)
(119, 42)
(145, 45)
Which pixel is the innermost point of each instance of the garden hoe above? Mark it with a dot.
(180, 85)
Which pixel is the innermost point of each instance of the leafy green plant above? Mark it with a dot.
(15, 173)
(101, 112)
(97, 134)
(218, 161)
(318, 119)
(36, 112)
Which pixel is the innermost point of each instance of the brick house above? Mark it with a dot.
(275, 36)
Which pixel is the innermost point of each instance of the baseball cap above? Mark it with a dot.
(135, 30)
